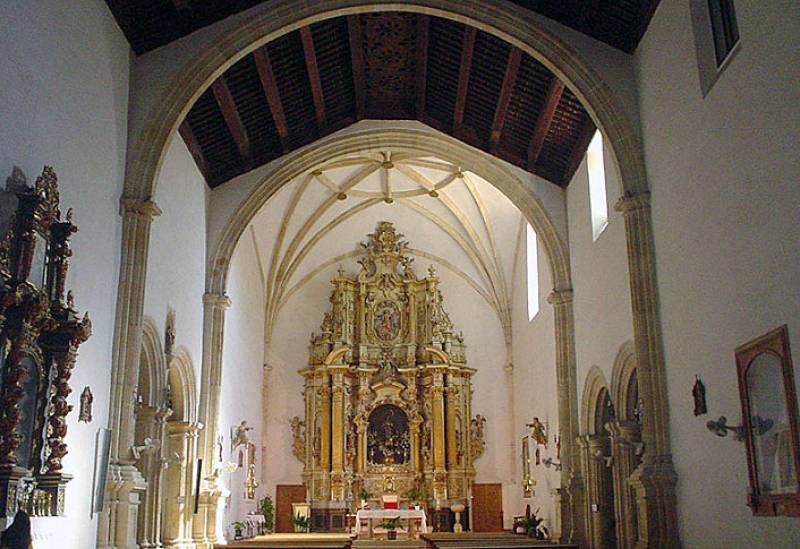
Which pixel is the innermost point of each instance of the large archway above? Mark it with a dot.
(155, 119)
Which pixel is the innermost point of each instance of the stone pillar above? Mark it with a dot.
(118, 520)
(337, 437)
(178, 496)
(573, 506)
(214, 307)
(655, 479)
(625, 438)
(600, 511)
(149, 535)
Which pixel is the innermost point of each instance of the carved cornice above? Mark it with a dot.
(143, 209)
(216, 300)
(560, 297)
(631, 202)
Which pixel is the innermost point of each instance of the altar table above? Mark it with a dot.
(410, 515)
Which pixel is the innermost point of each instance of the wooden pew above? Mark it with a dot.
(486, 540)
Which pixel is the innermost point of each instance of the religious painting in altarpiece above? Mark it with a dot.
(387, 388)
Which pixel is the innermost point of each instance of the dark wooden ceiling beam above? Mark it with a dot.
(578, 151)
(270, 87)
(313, 76)
(357, 63)
(587, 12)
(231, 115)
(467, 49)
(184, 7)
(510, 78)
(185, 131)
(544, 121)
(423, 26)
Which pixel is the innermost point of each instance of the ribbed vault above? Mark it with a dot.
(453, 219)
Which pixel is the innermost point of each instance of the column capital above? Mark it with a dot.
(144, 209)
(560, 297)
(217, 300)
(630, 202)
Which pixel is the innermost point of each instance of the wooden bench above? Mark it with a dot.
(486, 540)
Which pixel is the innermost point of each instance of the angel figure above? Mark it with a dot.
(239, 435)
(538, 432)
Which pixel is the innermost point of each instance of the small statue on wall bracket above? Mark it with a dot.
(699, 395)
(239, 435)
(169, 332)
(85, 413)
(538, 431)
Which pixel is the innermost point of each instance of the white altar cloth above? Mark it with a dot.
(408, 514)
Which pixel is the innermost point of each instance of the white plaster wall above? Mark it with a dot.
(723, 173)
(177, 256)
(535, 390)
(243, 356)
(63, 102)
(602, 302)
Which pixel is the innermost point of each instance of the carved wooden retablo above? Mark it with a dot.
(387, 389)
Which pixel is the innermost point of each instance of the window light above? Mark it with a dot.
(533, 273)
(597, 185)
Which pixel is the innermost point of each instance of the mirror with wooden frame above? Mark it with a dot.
(769, 415)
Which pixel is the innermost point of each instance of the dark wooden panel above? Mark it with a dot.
(285, 495)
(487, 507)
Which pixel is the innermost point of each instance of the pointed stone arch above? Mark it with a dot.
(183, 386)
(622, 375)
(593, 389)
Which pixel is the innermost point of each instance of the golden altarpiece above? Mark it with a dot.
(387, 391)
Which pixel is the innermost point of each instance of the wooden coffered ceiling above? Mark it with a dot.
(387, 65)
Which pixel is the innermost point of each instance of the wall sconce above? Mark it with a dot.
(548, 462)
(721, 427)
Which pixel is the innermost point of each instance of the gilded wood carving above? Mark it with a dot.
(387, 388)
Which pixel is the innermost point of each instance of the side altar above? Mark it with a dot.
(387, 392)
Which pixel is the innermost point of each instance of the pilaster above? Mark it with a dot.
(573, 499)
(214, 307)
(119, 517)
(655, 479)
(625, 439)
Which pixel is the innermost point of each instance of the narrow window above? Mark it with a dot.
(723, 27)
(597, 185)
(533, 273)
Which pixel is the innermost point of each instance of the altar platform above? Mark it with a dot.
(296, 541)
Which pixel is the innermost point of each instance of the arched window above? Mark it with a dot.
(533, 273)
(597, 185)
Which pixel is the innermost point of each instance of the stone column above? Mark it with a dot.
(655, 479)
(214, 307)
(118, 520)
(594, 450)
(625, 438)
(178, 496)
(149, 535)
(573, 506)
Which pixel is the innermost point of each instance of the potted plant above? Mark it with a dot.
(238, 527)
(533, 524)
(415, 496)
(390, 525)
(365, 496)
(300, 523)
(268, 510)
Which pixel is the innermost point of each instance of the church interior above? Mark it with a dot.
(423, 273)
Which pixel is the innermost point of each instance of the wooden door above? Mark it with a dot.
(285, 495)
(487, 508)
